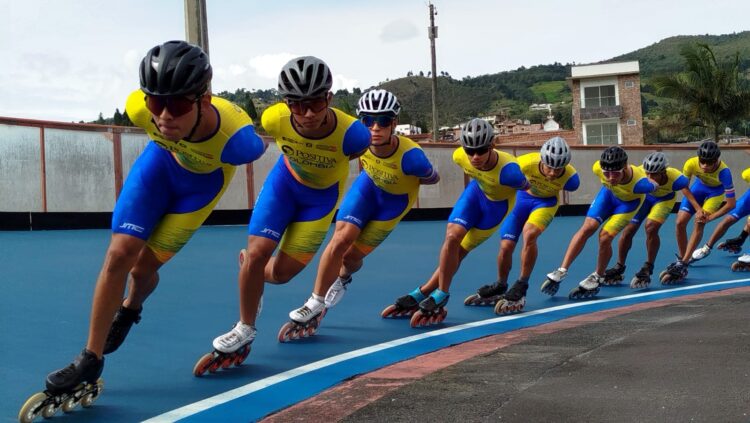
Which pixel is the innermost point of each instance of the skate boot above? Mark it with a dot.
(78, 383)
(701, 253)
(552, 283)
(587, 288)
(732, 245)
(304, 321)
(674, 273)
(404, 306)
(336, 291)
(613, 275)
(487, 294)
(742, 264)
(642, 279)
(123, 321)
(232, 348)
(513, 300)
(431, 310)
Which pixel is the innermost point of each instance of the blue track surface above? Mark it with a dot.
(48, 280)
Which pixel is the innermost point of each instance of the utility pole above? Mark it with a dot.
(196, 25)
(432, 32)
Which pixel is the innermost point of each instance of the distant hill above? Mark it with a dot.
(511, 92)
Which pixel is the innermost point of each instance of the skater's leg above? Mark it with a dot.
(589, 227)
(505, 259)
(144, 277)
(121, 255)
(251, 276)
(653, 241)
(450, 255)
(332, 259)
(721, 229)
(680, 228)
(626, 242)
(695, 239)
(530, 250)
(605, 251)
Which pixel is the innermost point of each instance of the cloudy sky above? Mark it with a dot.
(68, 60)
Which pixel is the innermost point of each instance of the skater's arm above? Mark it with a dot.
(573, 183)
(415, 163)
(699, 213)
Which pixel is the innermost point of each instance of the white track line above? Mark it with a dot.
(197, 407)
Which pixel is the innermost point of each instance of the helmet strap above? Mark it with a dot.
(197, 119)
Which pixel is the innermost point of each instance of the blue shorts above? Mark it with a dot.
(284, 200)
(618, 213)
(742, 208)
(365, 202)
(526, 205)
(709, 198)
(478, 214)
(164, 203)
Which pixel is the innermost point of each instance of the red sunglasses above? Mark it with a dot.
(176, 105)
(300, 107)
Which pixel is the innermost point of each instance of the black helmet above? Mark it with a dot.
(613, 158)
(175, 68)
(305, 77)
(709, 150)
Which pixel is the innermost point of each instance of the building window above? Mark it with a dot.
(629, 84)
(631, 122)
(599, 96)
(601, 134)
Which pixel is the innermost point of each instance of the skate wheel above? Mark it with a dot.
(203, 364)
(471, 300)
(31, 407)
(285, 333)
(416, 319)
(49, 411)
(228, 360)
(242, 355)
(88, 399)
(215, 365)
(69, 404)
(388, 311)
(441, 316)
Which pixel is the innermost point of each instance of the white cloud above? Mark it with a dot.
(340, 82)
(132, 59)
(398, 30)
(237, 70)
(268, 65)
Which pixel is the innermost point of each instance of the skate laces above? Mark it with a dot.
(311, 306)
(239, 334)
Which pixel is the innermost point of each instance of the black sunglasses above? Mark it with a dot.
(476, 151)
(381, 120)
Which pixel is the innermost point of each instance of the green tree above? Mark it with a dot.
(117, 119)
(710, 92)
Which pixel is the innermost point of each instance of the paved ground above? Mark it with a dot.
(684, 359)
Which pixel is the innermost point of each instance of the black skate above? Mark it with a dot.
(613, 275)
(487, 294)
(642, 279)
(674, 273)
(430, 312)
(123, 321)
(78, 383)
(587, 288)
(296, 329)
(403, 307)
(732, 245)
(514, 300)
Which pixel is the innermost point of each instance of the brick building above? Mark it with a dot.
(607, 104)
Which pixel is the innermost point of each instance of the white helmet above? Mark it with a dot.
(477, 133)
(655, 162)
(555, 153)
(378, 102)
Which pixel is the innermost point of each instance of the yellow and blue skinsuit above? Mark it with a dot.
(709, 189)
(384, 192)
(487, 198)
(173, 186)
(299, 197)
(617, 204)
(538, 204)
(658, 204)
(742, 208)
